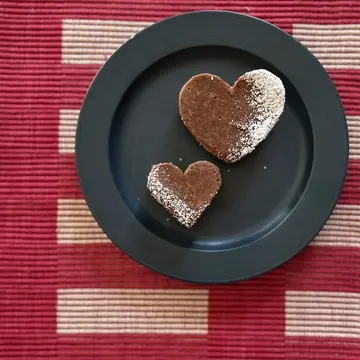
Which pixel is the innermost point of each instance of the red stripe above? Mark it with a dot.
(68, 83)
(28, 270)
(347, 83)
(31, 311)
(29, 346)
(324, 268)
(351, 189)
(72, 89)
(105, 266)
(322, 349)
(280, 12)
(246, 321)
(49, 176)
(129, 347)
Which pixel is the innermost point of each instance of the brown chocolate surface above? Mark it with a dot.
(228, 121)
(185, 195)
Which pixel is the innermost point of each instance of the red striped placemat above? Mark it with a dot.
(67, 293)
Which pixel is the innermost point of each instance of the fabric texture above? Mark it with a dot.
(66, 292)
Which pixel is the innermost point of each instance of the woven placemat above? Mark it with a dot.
(67, 293)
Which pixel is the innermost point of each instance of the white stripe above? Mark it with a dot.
(324, 314)
(132, 311)
(336, 46)
(354, 136)
(67, 130)
(75, 224)
(342, 228)
(86, 41)
(328, 27)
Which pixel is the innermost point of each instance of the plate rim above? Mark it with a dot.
(162, 255)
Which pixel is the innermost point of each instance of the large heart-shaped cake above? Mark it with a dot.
(230, 121)
(185, 195)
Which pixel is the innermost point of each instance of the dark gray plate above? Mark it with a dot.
(272, 203)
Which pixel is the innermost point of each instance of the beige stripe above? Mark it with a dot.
(68, 122)
(67, 130)
(132, 311)
(328, 314)
(75, 224)
(342, 228)
(87, 41)
(354, 136)
(336, 46)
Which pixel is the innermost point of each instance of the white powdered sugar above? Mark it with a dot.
(267, 99)
(166, 197)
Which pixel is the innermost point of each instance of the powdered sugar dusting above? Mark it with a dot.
(176, 206)
(267, 100)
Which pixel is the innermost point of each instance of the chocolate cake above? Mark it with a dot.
(185, 195)
(230, 121)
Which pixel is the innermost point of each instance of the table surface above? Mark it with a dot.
(66, 292)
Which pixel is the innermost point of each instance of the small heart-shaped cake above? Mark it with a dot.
(230, 122)
(185, 195)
